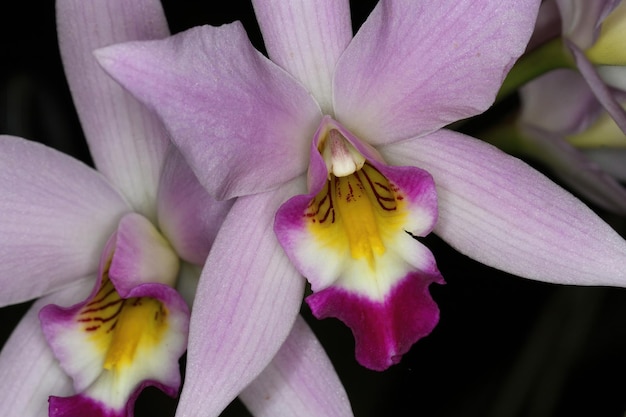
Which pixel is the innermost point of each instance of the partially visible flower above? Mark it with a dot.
(122, 237)
(363, 117)
(563, 125)
(584, 35)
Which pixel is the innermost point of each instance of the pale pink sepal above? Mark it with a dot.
(127, 142)
(306, 38)
(248, 297)
(30, 372)
(300, 381)
(226, 106)
(187, 215)
(415, 66)
(501, 212)
(57, 214)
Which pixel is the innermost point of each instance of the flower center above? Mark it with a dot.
(119, 327)
(356, 203)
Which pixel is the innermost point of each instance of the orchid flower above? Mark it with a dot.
(562, 124)
(119, 239)
(591, 40)
(337, 153)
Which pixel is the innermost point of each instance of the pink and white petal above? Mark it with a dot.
(227, 107)
(581, 19)
(383, 330)
(113, 392)
(127, 142)
(106, 374)
(415, 66)
(141, 255)
(577, 170)
(300, 381)
(247, 300)
(57, 214)
(30, 372)
(306, 38)
(602, 92)
(187, 215)
(560, 102)
(499, 211)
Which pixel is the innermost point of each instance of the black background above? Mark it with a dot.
(505, 346)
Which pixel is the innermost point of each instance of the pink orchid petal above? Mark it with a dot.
(57, 214)
(141, 255)
(602, 92)
(248, 297)
(30, 372)
(499, 211)
(560, 102)
(127, 142)
(581, 19)
(577, 170)
(187, 215)
(306, 38)
(415, 66)
(227, 107)
(300, 381)
(383, 330)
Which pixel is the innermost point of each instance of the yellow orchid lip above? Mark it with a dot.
(351, 236)
(129, 333)
(120, 328)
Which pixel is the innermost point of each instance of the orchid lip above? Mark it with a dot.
(129, 333)
(356, 217)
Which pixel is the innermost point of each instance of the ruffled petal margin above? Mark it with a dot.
(374, 275)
